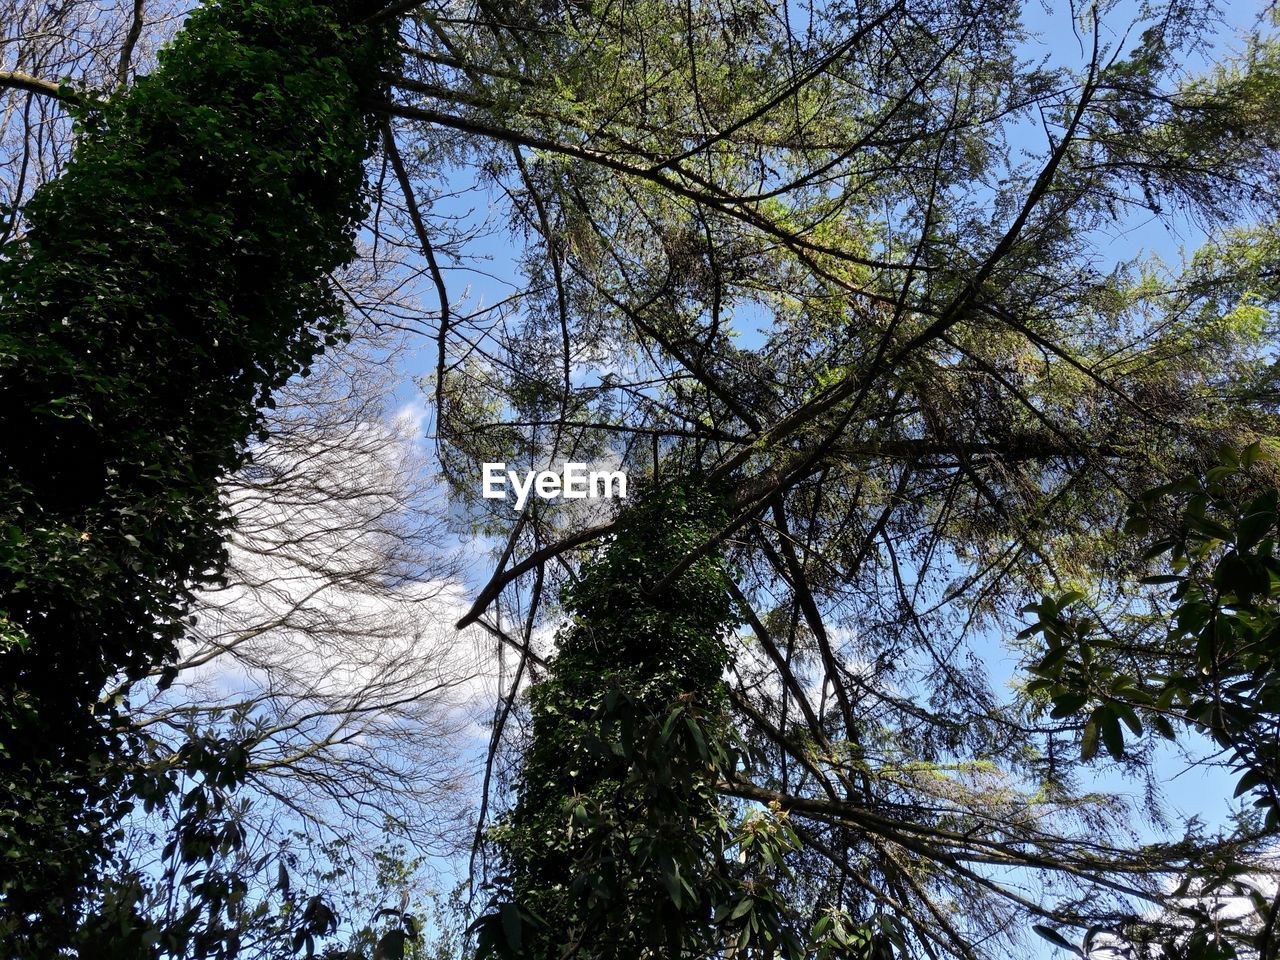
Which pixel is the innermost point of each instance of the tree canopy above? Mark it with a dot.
(850, 290)
(852, 267)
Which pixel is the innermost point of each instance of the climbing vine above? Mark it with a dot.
(166, 283)
(619, 844)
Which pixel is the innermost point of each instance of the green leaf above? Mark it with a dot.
(1064, 705)
(512, 925)
(1251, 779)
(1130, 718)
(1253, 528)
(671, 880)
(1163, 726)
(1089, 743)
(1113, 736)
(391, 946)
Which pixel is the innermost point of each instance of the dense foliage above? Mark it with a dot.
(1202, 658)
(619, 846)
(871, 270)
(165, 284)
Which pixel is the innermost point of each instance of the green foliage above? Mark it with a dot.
(169, 280)
(1215, 668)
(619, 845)
(225, 888)
(1207, 659)
(207, 897)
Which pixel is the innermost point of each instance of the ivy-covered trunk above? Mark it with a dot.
(167, 282)
(619, 846)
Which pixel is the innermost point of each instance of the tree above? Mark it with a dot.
(617, 846)
(327, 658)
(954, 393)
(328, 651)
(155, 298)
(360, 736)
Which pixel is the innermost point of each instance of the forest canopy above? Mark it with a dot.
(936, 341)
